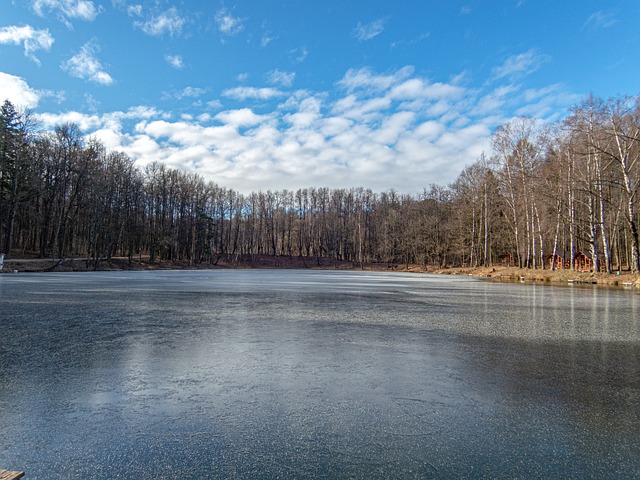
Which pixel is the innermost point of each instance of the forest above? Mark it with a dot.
(543, 195)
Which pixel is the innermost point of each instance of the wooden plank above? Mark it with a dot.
(9, 475)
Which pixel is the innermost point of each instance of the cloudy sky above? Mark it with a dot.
(260, 94)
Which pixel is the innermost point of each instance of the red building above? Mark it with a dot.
(582, 262)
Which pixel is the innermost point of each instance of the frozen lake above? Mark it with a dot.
(315, 374)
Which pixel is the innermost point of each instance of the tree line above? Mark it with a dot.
(543, 192)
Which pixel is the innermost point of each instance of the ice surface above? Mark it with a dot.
(315, 374)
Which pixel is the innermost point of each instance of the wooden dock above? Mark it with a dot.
(8, 475)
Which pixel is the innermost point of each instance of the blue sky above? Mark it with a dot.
(259, 95)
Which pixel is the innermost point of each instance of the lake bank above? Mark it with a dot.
(563, 276)
(498, 273)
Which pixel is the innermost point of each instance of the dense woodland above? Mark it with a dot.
(542, 192)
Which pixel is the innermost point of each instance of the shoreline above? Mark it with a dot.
(546, 276)
(496, 273)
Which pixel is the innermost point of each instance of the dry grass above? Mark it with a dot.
(546, 276)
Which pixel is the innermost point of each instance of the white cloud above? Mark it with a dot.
(416, 88)
(143, 149)
(394, 126)
(493, 101)
(17, 91)
(186, 93)
(86, 66)
(546, 102)
(382, 130)
(364, 78)
(68, 9)
(58, 96)
(356, 139)
(176, 61)
(299, 55)
(86, 123)
(599, 20)
(368, 31)
(266, 39)
(243, 117)
(245, 93)
(307, 116)
(110, 139)
(278, 77)
(31, 39)
(411, 41)
(91, 102)
(227, 23)
(134, 10)
(141, 111)
(170, 22)
(108, 128)
(363, 110)
(191, 92)
(520, 65)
